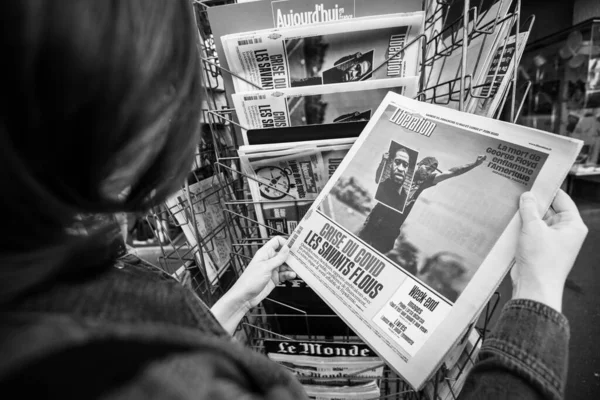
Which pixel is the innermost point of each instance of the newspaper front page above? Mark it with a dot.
(326, 363)
(334, 52)
(286, 178)
(418, 225)
(269, 14)
(336, 103)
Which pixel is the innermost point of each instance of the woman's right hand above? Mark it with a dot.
(547, 249)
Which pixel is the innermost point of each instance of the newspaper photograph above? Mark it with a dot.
(418, 225)
(498, 77)
(336, 103)
(334, 52)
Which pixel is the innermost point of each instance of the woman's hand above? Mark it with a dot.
(265, 271)
(547, 249)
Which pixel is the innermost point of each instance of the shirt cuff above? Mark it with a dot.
(532, 340)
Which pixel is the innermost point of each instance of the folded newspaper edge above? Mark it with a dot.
(300, 106)
(404, 320)
(452, 382)
(498, 76)
(363, 391)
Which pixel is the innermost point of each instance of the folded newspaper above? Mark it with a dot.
(285, 178)
(313, 105)
(326, 363)
(208, 208)
(491, 94)
(417, 227)
(332, 52)
(359, 391)
(451, 383)
(443, 77)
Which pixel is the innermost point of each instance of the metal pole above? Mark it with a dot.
(465, 45)
(515, 70)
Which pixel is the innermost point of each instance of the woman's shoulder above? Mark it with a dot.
(60, 355)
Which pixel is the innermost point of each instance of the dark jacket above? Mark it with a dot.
(131, 334)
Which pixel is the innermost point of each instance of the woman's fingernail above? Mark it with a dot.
(527, 196)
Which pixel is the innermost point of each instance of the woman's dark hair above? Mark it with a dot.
(99, 113)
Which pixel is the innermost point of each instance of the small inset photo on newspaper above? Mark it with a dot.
(322, 60)
(394, 176)
(351, 68)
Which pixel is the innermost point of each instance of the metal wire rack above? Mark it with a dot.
(238, 222)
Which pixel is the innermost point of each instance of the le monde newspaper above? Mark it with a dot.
(417, 227)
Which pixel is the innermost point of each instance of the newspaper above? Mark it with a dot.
(313, 105)
(286, 13)
(333, 52)
(208, 208)
(434, 24)
(361, 391)
(409, 256)
(446, 67)
(450, 384)
(498, 77)
(326, 363)
(286, 175)
(286, 178)
(305, 133)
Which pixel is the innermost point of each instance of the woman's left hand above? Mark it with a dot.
(266, 270)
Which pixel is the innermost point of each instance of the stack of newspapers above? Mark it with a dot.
(332, 72)
(494, 50)
(302, 93)
(305, 85)
(402, 215)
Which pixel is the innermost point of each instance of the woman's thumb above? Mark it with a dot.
(528, 208)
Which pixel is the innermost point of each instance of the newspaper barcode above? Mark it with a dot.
(246, 42)
(292, 240)
(256, 97)
(296, 234)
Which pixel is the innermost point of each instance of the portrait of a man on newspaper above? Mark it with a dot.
(398, 191)
(350, 68)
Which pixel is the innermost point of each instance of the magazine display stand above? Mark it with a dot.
(278, 318)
